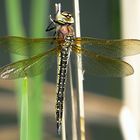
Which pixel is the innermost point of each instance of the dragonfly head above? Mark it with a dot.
(64, 18)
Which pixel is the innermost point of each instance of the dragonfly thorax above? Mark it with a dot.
(65, 32)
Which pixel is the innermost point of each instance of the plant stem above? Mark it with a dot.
(24, 112)
(80, 101)
(37, 29)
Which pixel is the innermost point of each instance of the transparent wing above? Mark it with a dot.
(111, 48)
(99, 65)
(28, 67)
(19, 44)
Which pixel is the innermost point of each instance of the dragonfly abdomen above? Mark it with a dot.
(63, 59)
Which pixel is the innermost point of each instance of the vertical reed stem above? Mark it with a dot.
(38, 16)
(80, 101)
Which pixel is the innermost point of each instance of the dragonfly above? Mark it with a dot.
(99, 56)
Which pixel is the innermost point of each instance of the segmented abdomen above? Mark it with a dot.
(63, 59)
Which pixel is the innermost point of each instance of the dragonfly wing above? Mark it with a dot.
(104, 66)
(20, 45)
(28, 67)
(111, 48)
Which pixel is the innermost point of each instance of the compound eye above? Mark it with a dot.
(64, 18)
(67, 15)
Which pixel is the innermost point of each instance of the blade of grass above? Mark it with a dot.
(15, 27)
(24, 112)
(38, 17)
